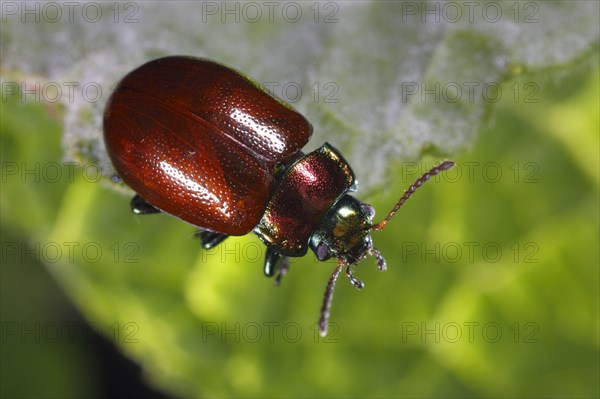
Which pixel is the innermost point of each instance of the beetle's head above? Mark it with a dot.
(345, 234)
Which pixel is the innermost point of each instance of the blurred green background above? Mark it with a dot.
(492, 287)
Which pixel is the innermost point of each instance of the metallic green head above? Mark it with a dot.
(344, 232)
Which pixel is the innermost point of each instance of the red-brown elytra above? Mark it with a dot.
(202, 142)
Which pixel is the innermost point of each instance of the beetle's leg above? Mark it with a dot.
(271, 259)
(210, 239)
(275, 263)
(283, 269)
(381, 264)
(140, 206)
(355, 282)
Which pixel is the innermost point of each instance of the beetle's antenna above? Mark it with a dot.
(324, 320)
(413, 187)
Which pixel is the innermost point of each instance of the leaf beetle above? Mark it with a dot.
(204, 143)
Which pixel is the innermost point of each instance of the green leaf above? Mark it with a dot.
(492, 284)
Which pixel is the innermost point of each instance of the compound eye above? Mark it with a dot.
(323, 252)
(368, 210)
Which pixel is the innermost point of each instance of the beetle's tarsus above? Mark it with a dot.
(210, 239)
(355, 282)
(283, 269)
(381, 263)
(275, 264)
(140, 206)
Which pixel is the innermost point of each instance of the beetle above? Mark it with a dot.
(206, 144)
